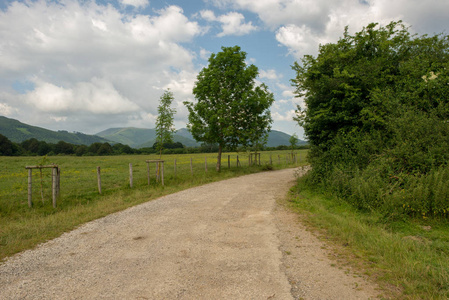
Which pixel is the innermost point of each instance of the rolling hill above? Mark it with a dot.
(140, 137)
(17, 132)
(143, 137)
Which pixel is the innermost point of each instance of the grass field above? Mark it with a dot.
(22, 227)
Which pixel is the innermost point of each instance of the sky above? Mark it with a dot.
(90, 65)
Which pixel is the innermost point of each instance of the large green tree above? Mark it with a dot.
(164, 123)
(230, 108)
(377, 111)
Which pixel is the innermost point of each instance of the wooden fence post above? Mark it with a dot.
(271, 159)
(130, 175)
(54, 184)
(58, 182)
(30, 194)
(162, 172)
(238, 162)
(99, 179)
(175, 167)
(148, 172)
(191, 167)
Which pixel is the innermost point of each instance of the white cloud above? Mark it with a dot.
(299, 40)
(5, 109)
(135, 3)
(97, 96)
(88, 59)
(204, 54)
(232, 23)
(269, 74)
(301, 25)
(283, 116)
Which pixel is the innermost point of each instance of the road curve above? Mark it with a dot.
(217, 241)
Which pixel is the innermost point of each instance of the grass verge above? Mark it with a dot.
(408, 258)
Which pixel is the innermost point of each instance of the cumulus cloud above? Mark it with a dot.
(97, 96)
(204, 54)
(5, 109)
(135, 3)
(88, 59)
(301, 25)
(269, 74)
(284, 116)
(232, 23)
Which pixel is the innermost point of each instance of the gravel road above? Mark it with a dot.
(224, 240)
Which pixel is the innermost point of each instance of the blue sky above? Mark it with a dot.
(86, 65)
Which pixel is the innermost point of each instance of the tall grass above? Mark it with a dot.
(409, 258)
(22, 227)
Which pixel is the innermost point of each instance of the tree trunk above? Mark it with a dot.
(220, 149)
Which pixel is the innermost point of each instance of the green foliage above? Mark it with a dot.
(231, 110)
(377, 119)
(164, 121)
(6, 146)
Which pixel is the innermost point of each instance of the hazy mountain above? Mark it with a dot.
(176, 138)
(140, 137)
(279, 138)
(17, 132)
(144, 137)
(134, 137)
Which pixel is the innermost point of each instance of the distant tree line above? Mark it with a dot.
(33, 147)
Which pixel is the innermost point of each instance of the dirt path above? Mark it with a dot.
(225, 240)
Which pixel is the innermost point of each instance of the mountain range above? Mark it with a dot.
(17, 132)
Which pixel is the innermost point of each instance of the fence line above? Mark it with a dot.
(290, 158)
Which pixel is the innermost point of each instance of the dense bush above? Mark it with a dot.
(377, 120)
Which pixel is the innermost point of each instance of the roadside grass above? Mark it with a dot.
(408, 258)
(23, 228)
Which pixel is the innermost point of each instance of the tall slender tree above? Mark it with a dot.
(231, 109)
(164, 122)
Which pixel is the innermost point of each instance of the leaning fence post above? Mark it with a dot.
(30, 194)
(99, 179)
(131, 175)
